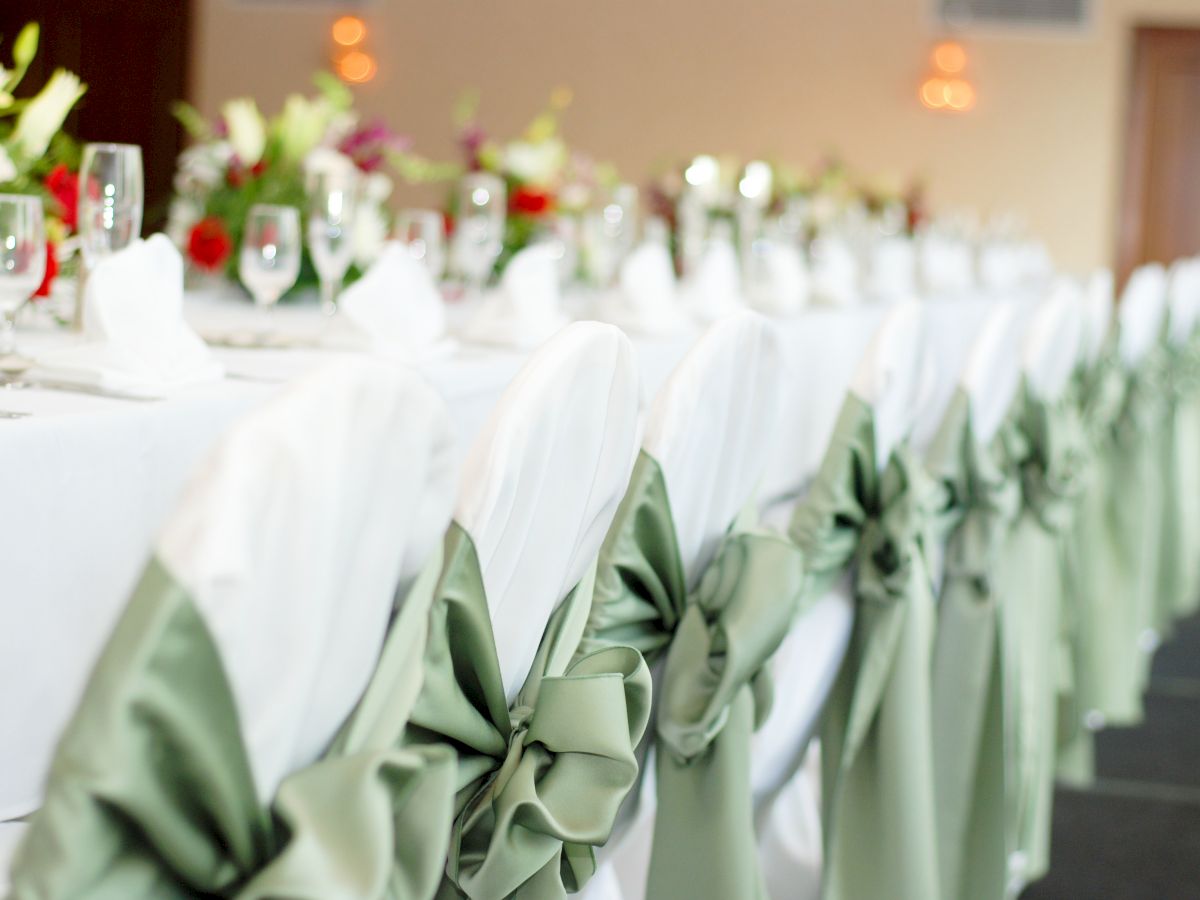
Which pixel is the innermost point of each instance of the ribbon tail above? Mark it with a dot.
(374, 824)
(704, 842)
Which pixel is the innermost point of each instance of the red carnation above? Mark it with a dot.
(532, 202)
(51, 269)
(63, 186)
(209, 244)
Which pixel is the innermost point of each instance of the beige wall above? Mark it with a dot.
(660, 80)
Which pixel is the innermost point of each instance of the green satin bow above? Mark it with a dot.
(1051, 452)
(539, 784)
(151, 793)
(877, 522)
(876, 731)
(983, 500)
(714, 643)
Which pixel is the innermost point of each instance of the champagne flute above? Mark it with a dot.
(423, 232)
(270, 257)
(333, 204)
(479, 231)
(22, 260)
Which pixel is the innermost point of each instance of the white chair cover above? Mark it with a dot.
(1183, 300)
(893, 378)
(704, 430)
(293, 537)
(993, 373)
(1053, 340)
(1098, 303)
(543, 480)
(1141, 313)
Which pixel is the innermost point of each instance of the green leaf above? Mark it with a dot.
(333, 90)
(25, 46)
(192, 120)
(466, 107)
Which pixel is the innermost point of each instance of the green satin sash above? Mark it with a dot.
(151, 793)
(1178, 583)
(877, 744)
(1050, 455)
(982, 500)
(713, 644)
(539, 783)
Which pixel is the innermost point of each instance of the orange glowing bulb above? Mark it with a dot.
(357, 67)
(949, 57)
(349, 31)
(933, 93)
(959, 94)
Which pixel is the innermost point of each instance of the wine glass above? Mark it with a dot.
(479, 231)
(610, 233)
(270, 257)
(22, 260)
(333, 203)
(423, 231)
(110, 199)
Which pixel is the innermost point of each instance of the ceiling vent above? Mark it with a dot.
(1058, 15)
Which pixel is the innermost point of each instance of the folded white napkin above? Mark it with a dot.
(893, 274)
(714, 288)
(527, 308)
(645, 301)
(946, 264)
(395, 309)
(136, 340)
(834, 272)
(783, 285)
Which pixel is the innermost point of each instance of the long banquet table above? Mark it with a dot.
(88, 480)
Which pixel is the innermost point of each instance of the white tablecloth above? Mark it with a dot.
(88, 480)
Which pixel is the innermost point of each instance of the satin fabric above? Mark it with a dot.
(1049, 454)
(881, 837)
(982, 498)
(538, 783)
(151, 794)
(712, 646)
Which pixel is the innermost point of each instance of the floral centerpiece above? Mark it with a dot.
(543, 177)
(36, 157)
(244, 158)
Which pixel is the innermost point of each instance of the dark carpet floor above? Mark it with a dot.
(1135, 835)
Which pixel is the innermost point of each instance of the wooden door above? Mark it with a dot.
(132, 54)
(1160, 209)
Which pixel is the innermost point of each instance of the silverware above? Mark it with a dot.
(13, 414)
(71, 387)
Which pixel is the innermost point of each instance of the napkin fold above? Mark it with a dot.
(135, 338)
(834, 272)
(646, 299)
(527, 308)
(394, 309)
(713, 289)
(893, 273)
(782, 285)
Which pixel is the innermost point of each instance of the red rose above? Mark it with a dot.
(532, 202)
(209, 244)
(63, 186)
(51, 270)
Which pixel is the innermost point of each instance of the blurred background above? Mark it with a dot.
(1080, 113)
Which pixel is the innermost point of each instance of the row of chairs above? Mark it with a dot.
(354, 668)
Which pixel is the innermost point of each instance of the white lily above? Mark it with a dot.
(8, 169)
(302, 124)
(43, 117)
(327, 161)
(537, 162)
(247, 130)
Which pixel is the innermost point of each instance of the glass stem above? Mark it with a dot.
(328, 298)
(8, 327)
